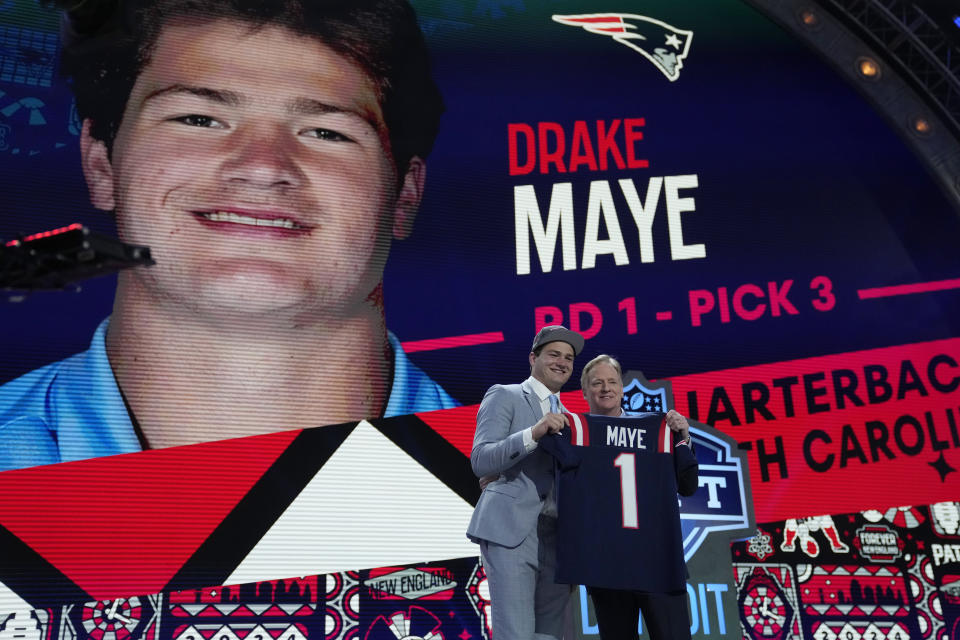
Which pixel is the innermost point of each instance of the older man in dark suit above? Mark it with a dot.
(666, 615)
(515, 518)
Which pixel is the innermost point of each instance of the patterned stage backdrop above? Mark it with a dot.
(875, 575)
(429, 601)
(85, 543)
(82, 542)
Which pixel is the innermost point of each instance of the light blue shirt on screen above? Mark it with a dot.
(72, 409)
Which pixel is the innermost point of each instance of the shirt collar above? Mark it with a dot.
(539, 388)
(412, 390)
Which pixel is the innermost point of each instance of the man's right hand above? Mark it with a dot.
(550, 423)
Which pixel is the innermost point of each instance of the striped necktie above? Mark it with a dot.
(554, 403)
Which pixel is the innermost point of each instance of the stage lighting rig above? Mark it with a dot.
(61, 257)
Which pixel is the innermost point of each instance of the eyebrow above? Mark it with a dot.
(214, 95)
(298, 106)
(311, 107)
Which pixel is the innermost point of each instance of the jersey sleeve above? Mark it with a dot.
(563, 451)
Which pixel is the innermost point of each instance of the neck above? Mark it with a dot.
(189, 377)
(549, 388)
(615, 412)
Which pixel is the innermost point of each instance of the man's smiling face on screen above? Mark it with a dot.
(256, 164)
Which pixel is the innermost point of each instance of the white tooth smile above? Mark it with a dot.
(250, 221)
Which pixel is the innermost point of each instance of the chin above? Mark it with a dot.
(249, 297)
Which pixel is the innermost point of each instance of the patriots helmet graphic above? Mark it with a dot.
(660, 43)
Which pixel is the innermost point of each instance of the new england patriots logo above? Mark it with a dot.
(660, 43)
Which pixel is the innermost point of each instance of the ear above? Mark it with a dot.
(408, 200)
(533, 357)
(96, 169)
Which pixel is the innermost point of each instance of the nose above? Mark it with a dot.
(262, 160)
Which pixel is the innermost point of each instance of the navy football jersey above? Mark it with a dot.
(619, 521)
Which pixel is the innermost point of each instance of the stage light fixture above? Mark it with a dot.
(921, 126)
(868, 68)
(809, 18)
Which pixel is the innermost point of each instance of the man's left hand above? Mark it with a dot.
(678, 423)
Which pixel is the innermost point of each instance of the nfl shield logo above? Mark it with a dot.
(639, 398)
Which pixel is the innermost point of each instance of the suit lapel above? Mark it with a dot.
(532, 401)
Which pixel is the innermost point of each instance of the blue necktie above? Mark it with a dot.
(554, 404)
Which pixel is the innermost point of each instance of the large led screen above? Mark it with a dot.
(684, 183)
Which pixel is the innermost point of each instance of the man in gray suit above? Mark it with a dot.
(515, 519)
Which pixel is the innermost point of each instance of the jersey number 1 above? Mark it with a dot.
(627, 464)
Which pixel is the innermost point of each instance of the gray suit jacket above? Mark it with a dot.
(509, 506)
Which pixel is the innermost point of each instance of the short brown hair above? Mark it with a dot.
(107, 44)
(600, 359)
